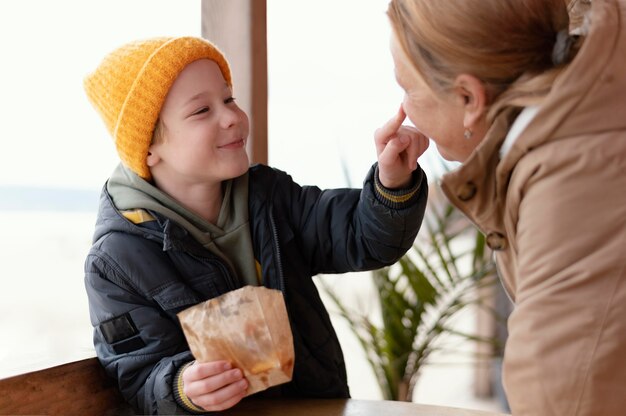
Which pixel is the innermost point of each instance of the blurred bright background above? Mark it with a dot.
(331, 84)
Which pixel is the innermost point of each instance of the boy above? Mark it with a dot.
(184, 219)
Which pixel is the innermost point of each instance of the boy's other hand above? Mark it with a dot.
(398, 148)
(214, 386)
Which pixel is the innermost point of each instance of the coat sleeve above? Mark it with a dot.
(567, 333)
(136, 342)
(343, 230)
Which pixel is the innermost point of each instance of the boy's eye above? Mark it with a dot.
(200, 111)
(229, 100)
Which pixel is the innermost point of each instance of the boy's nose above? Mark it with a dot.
(230, 117)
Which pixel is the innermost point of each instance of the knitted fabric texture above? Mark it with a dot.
(129, 87)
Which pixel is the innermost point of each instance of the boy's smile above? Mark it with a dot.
(235, 144)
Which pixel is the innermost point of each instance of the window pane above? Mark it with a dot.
(56, 155)
(331, 85)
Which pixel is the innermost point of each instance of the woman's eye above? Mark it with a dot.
(229, 100)
(201, 110)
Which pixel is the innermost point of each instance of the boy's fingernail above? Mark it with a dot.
(227, 366)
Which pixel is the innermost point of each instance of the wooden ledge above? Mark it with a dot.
(83, 388)
(77, 388)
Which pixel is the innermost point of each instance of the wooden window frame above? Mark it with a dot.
(239, 29)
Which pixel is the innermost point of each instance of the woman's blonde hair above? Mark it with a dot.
(507, 44)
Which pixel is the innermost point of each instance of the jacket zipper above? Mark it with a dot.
(279, 264)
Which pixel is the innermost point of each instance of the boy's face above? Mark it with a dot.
(204, 131)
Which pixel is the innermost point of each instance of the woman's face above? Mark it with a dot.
(439, 117)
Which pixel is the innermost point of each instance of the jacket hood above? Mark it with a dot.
(125, 190)
(229, 238)
(590, 95)
(110, 219)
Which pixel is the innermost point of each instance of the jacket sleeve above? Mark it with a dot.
(136, 342)
(343, 230)
(567, 333)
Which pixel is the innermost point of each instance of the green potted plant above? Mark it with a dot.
(441, 275)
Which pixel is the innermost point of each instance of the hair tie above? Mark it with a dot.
(562, 46)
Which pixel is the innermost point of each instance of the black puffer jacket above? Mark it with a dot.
(139, 277)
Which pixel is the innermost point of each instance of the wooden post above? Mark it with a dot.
(239, 29)
(485, 327)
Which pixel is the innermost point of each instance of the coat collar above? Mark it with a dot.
(473, 187)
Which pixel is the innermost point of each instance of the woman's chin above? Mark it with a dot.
(448, 155)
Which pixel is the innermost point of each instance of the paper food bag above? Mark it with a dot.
(249, 328)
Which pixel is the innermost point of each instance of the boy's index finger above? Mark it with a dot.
(392, 126)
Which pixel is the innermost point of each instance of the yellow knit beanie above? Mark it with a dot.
(129, 87)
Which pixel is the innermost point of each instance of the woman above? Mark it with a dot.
(537, 116)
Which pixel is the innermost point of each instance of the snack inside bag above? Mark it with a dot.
(249, 328)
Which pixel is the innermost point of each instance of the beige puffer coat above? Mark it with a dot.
(554, 211)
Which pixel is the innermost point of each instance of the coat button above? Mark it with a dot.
(466, 191)
(496, 241)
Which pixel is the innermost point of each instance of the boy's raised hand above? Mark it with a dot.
(398, 148)
(214, 386)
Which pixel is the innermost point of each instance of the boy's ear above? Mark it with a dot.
(153, 156)
(472, 95)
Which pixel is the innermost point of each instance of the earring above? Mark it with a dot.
(468, 133)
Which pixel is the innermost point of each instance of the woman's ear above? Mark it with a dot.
(472, 94)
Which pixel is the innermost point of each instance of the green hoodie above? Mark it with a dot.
(229, 238)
